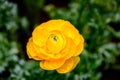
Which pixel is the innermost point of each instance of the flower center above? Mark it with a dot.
(55, 43)
(54, 38)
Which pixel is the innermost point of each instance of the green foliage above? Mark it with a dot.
(11, 65)
(92, 18)
(8, 15)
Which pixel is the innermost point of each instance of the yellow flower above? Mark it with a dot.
(57, 44)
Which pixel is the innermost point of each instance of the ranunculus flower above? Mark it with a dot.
(57, 45)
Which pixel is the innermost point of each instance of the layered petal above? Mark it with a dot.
(69, 65)
(69, 49)
(79, 41)
(52, 64)
(43, 31)
(52, 25)
(64, 54)
(40, 35)
(67, 52)
(34, 51)
(39, 53)
(69, 30)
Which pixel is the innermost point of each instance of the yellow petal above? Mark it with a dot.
(69, 65)
(69, 30)
(51, 65)
(30, 51)
(52, 25)
(76, 61)
(80, 45)
(69, 49)
(40, 35)
(34, 52)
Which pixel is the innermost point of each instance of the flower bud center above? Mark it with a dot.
(54, 38)
(55, 43)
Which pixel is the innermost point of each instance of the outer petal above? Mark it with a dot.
(40, 35)
(31, 51)
(51, 65)
(69, 65)
(76, 61)
(69, 30)
(52, 25)
(34, 52)
(79, 41)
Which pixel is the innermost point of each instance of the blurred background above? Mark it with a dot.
(97, 20)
